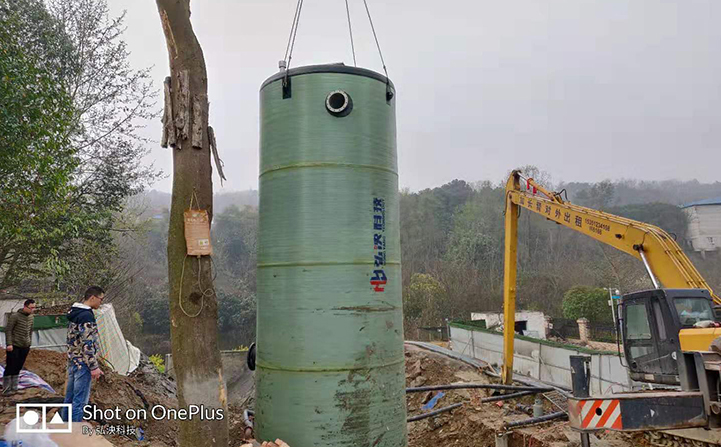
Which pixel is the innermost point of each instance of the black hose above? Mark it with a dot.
(544, 418)
(461, 386)
(433, 413)
(508, 396)
(250, 357)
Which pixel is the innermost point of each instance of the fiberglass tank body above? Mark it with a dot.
(330, 362)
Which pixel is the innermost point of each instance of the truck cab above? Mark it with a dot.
(657, 325)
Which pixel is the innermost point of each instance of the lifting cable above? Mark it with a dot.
(375, 36)
(291, 39)
(350, 30)
(294, 32)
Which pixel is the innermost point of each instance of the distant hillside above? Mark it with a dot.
(627, 192)
(156, 201)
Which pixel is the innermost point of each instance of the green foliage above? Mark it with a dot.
(424, 300)
(477, 225)
(452, 251)
(70, 108)
(155, 314)
(36, 161)
(137, 319)
(235, 233)
(158, 362)
(236, 317)
(587, 302)
(237, 313)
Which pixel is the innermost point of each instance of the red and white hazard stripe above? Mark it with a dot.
(599, 414)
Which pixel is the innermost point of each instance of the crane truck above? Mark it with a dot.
(666, 331)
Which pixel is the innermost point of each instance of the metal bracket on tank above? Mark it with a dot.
(286, 87)
(389, 93)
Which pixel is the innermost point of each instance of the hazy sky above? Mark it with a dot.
(585, 89)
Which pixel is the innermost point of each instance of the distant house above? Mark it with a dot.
(532, 324)
(704, 224)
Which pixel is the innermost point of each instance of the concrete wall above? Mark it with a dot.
(535, 321)
(549, 364)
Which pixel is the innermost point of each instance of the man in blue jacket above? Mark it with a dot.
(82, 352)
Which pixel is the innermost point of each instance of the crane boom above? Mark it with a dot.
(663, 257)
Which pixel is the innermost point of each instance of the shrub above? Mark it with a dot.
(587, 302)
(159, 363)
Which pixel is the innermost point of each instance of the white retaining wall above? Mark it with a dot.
(549, 364)
(535, 321)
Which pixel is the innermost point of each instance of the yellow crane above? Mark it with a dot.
(665, 262)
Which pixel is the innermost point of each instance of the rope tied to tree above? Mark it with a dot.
(208, 292)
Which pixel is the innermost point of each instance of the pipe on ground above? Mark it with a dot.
(433, 413)
(508, 396)
(460, 386)
(531, 421)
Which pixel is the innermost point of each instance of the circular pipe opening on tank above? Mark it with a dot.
(338, 103)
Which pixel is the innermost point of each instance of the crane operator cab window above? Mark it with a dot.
(637, 320)
(693, 310)
(638, 333)
(651, 323)
(649, 347)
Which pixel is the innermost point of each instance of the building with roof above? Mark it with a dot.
(704, 224)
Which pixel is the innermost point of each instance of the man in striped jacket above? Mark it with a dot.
(18, 338)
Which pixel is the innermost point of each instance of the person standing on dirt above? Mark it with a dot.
(83, 363)
(18, 338)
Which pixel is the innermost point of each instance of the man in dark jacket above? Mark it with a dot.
(82, 352)
(18, 338)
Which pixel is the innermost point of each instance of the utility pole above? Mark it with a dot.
(193, 303)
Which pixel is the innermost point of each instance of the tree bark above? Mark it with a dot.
(196, 357)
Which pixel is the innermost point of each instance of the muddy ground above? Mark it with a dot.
(476, 424)
(144, 388)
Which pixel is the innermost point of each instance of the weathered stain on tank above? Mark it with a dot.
(353, 399)
(366, 309)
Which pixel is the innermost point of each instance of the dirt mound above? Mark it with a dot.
(476, 424)
(143, 389)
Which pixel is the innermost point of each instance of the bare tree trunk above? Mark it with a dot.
(193, 303)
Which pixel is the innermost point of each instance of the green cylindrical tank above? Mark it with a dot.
(330, 362)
